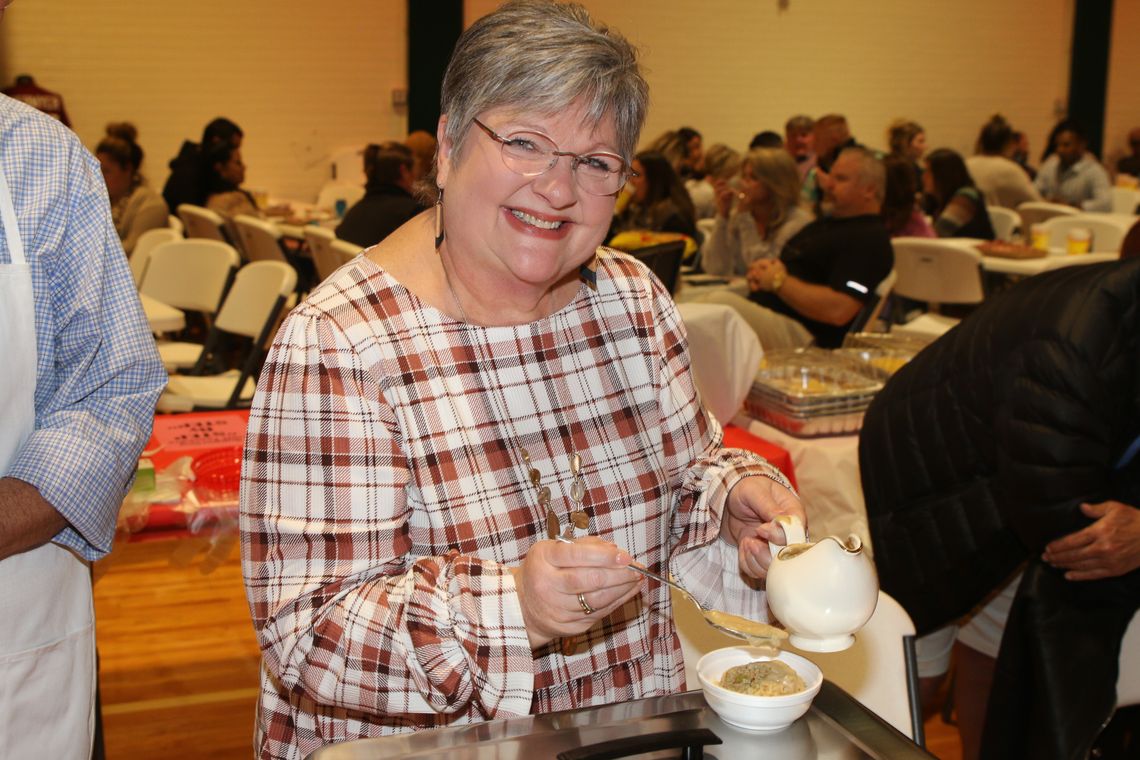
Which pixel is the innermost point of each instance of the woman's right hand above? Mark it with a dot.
(725, 195)
(552, 576)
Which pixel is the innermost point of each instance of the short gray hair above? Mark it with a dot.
(799, 123)
(872, 172)
(542, 56)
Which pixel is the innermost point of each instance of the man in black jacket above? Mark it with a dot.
(387, 201)
(1010, 443)
(830, 268)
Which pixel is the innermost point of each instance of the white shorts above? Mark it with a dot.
(981, 630)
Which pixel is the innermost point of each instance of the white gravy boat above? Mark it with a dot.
(823, 592)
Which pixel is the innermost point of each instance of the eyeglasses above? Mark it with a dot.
(531, 154)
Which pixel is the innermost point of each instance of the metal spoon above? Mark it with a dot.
(762, 634)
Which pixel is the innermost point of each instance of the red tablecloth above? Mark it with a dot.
(181, 435)
(738, 438)
(197, 433)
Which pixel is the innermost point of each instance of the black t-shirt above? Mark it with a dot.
(850, 255)
(377, 215)
(187, 180)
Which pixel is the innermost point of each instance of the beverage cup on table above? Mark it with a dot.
(1079, 240)
(1039, 237)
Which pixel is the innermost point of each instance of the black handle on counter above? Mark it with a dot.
(691, 742)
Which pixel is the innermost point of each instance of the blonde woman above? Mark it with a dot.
(721, 162)
(767, 214)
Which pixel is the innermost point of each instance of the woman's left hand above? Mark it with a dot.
(749, 520)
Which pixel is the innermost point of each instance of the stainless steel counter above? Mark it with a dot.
(836, 728)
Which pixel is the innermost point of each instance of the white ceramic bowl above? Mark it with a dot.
(750, 712)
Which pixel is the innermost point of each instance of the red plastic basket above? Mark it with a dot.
(217, 475)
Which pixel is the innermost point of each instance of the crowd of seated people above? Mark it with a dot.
(677, 182)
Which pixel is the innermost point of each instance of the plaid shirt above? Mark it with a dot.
(98, 374)
(384, 501)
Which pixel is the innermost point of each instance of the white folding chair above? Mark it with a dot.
(334, 191)
(1036, 212)
(252, 306)
(146, 243)
(868, 317)
(201, 222)
(325, 259)
(1125, 200)
(1107, 235)
(190, 274)
(1006, 222)
(937, 272)
(261, 240)
(878, 669)
(176, 224)
(345, 251)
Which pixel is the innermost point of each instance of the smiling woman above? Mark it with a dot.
(483, 382)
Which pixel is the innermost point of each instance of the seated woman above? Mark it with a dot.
(462, 439)
(721, 162)
(225, 171)
(693, 164)
(900, 211)
(135, 206)
(959, 208)
(767, 213)
(659, 202)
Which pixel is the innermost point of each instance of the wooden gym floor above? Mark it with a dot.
(178, 659)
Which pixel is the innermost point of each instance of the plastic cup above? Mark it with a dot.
(1079, 241)
(1039, 237)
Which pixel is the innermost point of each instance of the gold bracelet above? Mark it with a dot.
(778, 280)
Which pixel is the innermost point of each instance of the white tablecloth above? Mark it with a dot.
(1030, 267)
(724, 354)
(827, 470)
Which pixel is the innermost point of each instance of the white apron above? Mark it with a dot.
(47, 634)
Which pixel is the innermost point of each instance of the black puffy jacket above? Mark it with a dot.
(978, 453)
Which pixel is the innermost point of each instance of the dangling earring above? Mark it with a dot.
(439, 221)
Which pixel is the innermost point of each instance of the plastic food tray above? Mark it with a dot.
(888, 341)
(811, 392)
(877, 362)
(803, 426)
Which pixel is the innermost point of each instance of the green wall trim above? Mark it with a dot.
(1088, 69)
(433, 28)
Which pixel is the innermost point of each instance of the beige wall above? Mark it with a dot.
(302, 79)
(731, 68)
(306, 80)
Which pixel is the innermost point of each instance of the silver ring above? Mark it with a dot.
(585, 605)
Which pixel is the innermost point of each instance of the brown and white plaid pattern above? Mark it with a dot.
(383, 501)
